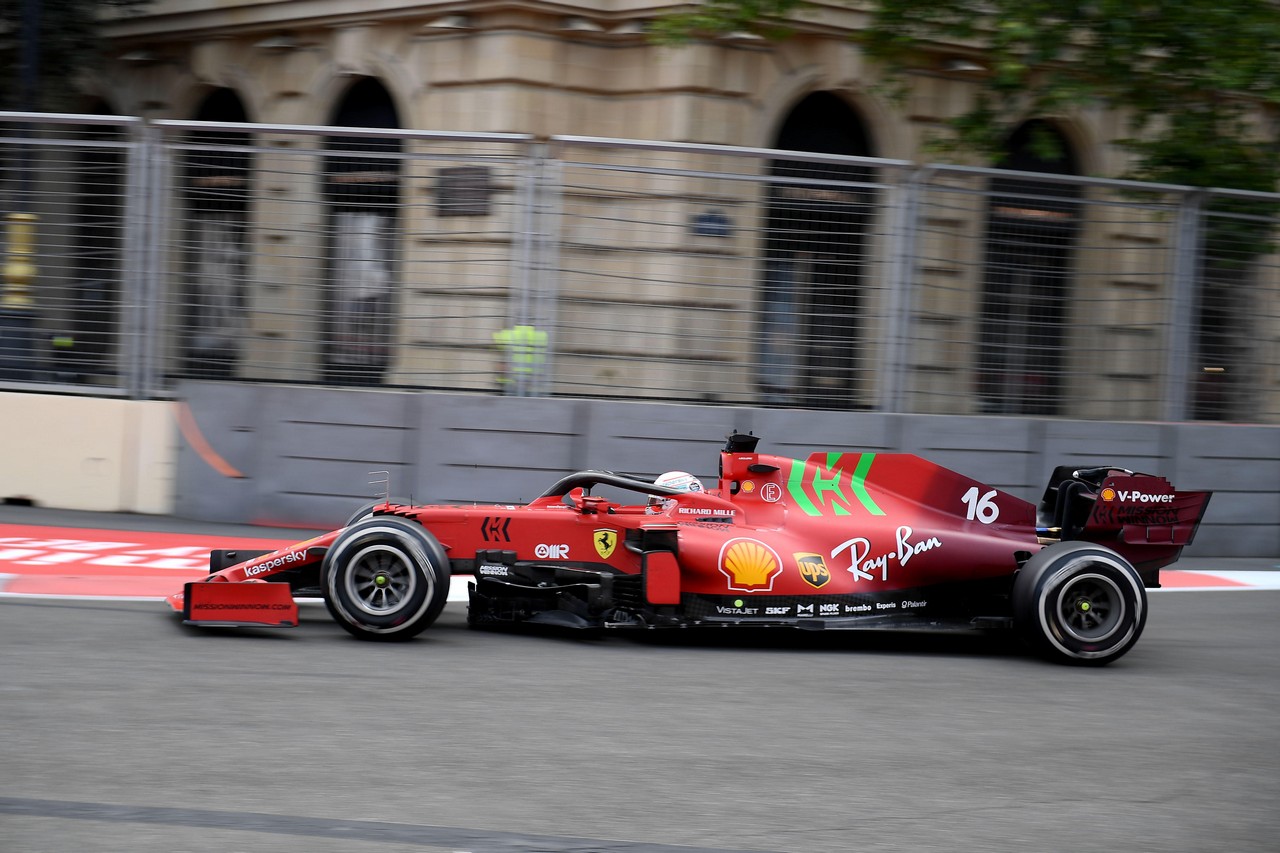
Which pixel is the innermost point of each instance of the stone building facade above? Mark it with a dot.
(531, 68)
(590, 70)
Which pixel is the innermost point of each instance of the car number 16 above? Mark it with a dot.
(983, 508)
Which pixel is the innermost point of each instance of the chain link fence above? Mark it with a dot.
(140, 253)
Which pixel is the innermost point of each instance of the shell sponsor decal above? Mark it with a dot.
(749, 565)
(813, 569)
(1161, 493)
(605, 541)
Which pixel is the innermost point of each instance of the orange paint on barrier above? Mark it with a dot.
(191, 432)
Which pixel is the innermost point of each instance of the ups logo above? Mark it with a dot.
(813, 569)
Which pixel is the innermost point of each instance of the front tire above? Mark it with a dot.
(385, 578)
(366, 511)
(1079, 603)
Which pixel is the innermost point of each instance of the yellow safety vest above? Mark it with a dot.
(525, 348)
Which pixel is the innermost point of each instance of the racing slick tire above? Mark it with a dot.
(385, 578)
(1079, 603)
(366, 511)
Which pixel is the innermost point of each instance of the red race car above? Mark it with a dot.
(835, 541)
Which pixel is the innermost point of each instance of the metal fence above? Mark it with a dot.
(139, 253)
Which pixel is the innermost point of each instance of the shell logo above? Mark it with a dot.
(749, 565)
(1108, 494)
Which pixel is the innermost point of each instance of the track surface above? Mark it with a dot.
(124, 731)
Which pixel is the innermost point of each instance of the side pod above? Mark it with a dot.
(661, 578)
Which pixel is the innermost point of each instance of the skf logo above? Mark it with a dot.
(606, 541)
(813, 569)
(1108, 494)
(749, 565)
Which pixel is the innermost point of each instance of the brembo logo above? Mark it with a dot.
(291, 557)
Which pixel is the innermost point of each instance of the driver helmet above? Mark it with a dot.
(682, 480)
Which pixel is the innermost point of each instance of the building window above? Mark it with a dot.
(362, 191)
(812, 351)
(216, 188)
(1026, 291)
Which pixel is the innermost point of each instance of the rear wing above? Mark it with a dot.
(1144, 510)
(1140, 515)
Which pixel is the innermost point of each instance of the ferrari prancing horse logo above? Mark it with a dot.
(605, 541)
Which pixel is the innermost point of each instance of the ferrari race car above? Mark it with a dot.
(834, 541)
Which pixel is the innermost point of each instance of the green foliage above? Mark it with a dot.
(69, 43)
(721, 17)
(1197, 80)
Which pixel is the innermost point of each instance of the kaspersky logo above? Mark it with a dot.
(291, 557)
(749, 565)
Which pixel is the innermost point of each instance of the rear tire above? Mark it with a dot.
(385, 578)
(1079, 603)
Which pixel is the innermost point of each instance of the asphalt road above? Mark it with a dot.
(124, 731)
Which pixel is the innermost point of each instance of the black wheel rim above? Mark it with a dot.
(1090, 607)
(380, 580)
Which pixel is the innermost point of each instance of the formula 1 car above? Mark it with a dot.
(834, 541)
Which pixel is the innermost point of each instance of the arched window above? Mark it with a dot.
(216, 190)
(1227, 362)
(362, 192)
(814, 256)
(1031, 235)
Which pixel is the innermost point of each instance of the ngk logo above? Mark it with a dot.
(551, 552)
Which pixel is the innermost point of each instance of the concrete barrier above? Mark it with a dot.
(301, 457)
(306, 453)
(88, 453)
